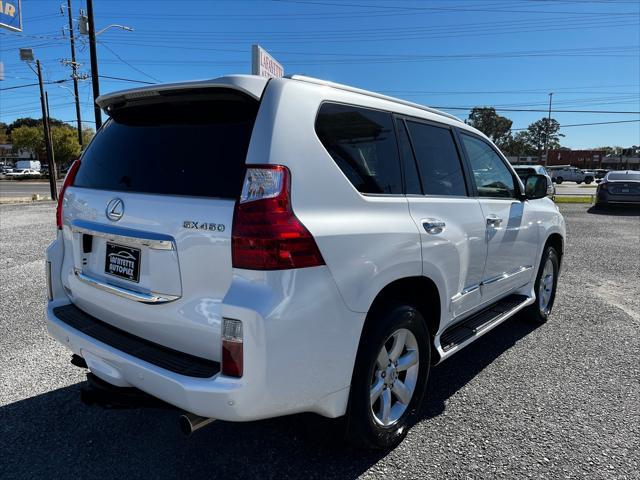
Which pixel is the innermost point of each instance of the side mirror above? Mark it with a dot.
(535, 186)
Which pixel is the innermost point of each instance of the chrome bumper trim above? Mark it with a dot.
(151, 297)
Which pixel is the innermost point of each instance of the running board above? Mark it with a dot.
(461, 334)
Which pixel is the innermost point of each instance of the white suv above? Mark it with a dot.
(571, 174)
(244, 248)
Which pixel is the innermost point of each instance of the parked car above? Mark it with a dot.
(525, 171)
(570, 174)
(21, 172)
(332, 246)
(619, 188)
(5, 170)
(601, 172)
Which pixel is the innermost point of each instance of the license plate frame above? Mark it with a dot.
(122, 262)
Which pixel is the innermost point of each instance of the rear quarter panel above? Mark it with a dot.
(367, 241)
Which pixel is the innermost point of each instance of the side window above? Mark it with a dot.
(411, 176)
(493, 178)
(438, 159)
(362, 143)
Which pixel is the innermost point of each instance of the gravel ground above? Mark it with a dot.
(561, 400)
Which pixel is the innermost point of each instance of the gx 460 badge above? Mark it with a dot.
(213, 227)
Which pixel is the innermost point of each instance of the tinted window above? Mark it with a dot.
(438, 160)
(411, 176)
(493, 178)
(523, 173)
(177, 147)
(362, 143)
(630, 177)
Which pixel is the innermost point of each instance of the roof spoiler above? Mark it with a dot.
(249, 84)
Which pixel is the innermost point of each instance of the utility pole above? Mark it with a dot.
(74, 73)
(94, 65)
(53, 170)
(546, 137)
(47, 136)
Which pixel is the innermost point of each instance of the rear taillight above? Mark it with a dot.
(68, 180)
(266, 233)
(232, 348)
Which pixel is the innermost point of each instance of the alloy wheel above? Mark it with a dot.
(394, 378)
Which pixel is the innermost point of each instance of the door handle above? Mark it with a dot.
(433, 226)
(493, 221)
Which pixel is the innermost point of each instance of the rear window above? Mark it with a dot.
(630, 177)
(525, 172)
(193, 145)
(362, 143)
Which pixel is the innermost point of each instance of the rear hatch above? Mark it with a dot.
(147, 222)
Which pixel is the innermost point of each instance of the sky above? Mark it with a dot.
(453, 54)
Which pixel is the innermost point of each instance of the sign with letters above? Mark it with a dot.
(11, 15)
(263, 64)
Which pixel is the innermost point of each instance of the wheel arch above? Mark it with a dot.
(419, 291)
(556, 241)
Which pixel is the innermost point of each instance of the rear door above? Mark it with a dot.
(450, 221)
(147, 222)
(510, 225)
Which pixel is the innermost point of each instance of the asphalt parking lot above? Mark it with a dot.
(558, 401)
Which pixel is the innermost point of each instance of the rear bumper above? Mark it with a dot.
(300, 343)
(618, 199)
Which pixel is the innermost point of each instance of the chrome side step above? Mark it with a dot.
(463, 333)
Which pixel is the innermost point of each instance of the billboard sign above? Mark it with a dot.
(264, 64)
(11, 15)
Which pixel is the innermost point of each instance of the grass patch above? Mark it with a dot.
(572, 199)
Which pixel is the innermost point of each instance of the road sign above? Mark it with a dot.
(264, 64)
(11, 15)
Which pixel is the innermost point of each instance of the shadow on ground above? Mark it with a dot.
(54, 435)
(617, 211)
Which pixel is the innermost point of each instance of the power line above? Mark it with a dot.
(126, 79)
(34, 84)
(447, 9)
(585, 124)
(541, 110)
(127, 63)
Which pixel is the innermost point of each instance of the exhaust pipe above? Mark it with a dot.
(190, 422)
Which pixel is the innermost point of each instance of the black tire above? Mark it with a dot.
(578, 183)
(588, 180)
(535, 312)
(559, 180)
(362, 429)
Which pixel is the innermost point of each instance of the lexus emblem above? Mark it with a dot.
(115, 209)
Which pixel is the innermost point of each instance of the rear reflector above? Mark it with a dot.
(266, 233)
(68, 180)
(232, 348)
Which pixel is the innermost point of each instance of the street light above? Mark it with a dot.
(26, 55)
(87, 27)
(114, 25)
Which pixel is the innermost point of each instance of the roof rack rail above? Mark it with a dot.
(340, 86)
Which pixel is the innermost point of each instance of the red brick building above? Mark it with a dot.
(577, 158)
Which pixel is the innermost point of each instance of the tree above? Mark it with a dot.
(4, 136)
(65, 144)
(536, 135)
(517, 145)
(28, 138)
(494, 126)
(87, 135)
(65, 141)
(33, 122)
